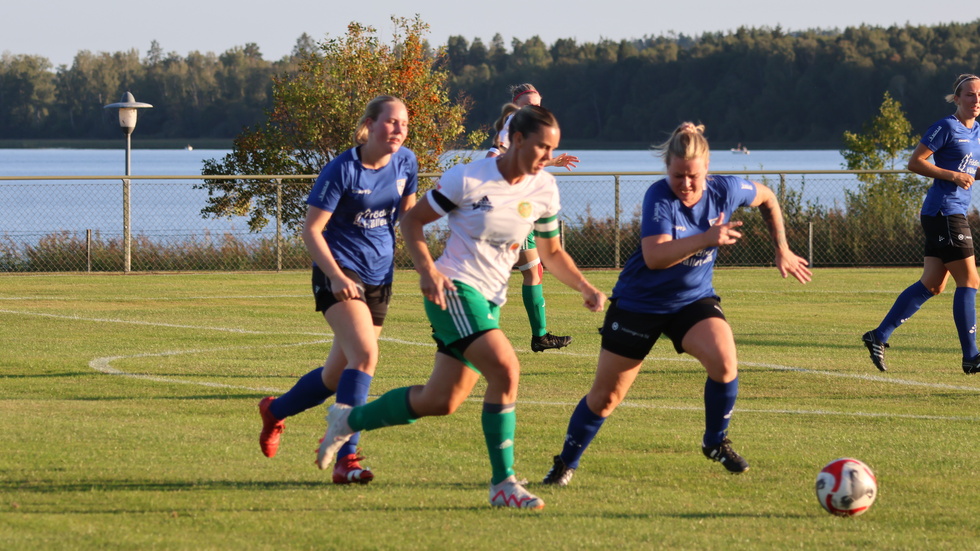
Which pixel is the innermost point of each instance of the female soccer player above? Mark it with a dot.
(491, 205)
(350, 234)
(528, 262)
(665, 289)
(954, 145)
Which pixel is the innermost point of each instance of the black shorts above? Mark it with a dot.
(947, 237)
(376, 297)
(632, 334)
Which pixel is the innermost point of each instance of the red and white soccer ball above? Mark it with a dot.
(846, 487)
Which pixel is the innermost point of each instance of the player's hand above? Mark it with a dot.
(593, 299)
(790, 264)
(345, 288)
(434, 285)
(963, 180)
(565, 160)
(723, 234)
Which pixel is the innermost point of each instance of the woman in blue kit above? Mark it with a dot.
(665, 288)
(954, 145)
(350, 234)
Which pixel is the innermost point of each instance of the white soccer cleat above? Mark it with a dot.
(509, 493)
(338, 432)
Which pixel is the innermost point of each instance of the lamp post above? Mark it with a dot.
(127, 107)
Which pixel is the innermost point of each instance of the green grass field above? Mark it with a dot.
(129, 422)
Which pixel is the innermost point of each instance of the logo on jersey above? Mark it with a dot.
(400, 185)
(368, 219)
(483, 204)
(524, 209)
(968, 165)
(699, 258)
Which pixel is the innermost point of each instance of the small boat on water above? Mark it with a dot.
(189, 147)
(740, 149)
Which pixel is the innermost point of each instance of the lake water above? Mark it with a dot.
(172, 207)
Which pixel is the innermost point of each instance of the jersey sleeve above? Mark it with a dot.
(328, 188)
(411, 176)
(743, 193)
(449, 188)
(658, 217)
(936, 136)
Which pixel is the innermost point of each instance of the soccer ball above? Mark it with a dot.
(846, 487)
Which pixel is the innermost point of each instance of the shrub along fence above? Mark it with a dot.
(158, 223)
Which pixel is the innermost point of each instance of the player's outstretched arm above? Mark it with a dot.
(432, 282)
(787, 262)
(561, 265)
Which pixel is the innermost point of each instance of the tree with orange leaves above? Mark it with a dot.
(316, 106)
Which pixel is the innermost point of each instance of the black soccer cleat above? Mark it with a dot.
(560, 474)
(546, 341)
(877, 350)
(972, 366)
(724, 454)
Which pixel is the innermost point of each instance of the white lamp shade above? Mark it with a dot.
(127, 117)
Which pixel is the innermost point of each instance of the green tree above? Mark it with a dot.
(884, 208)
(27, 93)
(316, 108)
(457, 52)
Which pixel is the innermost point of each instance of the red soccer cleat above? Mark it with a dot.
(271, 428)
(348, 470)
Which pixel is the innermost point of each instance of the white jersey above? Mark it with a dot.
(503, 136)
(488, 220)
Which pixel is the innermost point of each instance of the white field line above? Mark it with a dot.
(103, 365)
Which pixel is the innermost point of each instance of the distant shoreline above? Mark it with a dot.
(136, 143)
(226, 144)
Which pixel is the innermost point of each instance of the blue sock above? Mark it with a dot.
(719, 402)
(352, 390)
(582, 428)
(965, 317)
(907, 304)
(308, 392)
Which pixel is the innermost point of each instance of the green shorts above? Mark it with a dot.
(468, 315)
(529, 243)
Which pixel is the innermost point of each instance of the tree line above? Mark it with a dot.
(759, 86)
(200, 95)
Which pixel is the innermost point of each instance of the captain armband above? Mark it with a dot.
(444, 203)
(546, 227)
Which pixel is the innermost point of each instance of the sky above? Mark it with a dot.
(58, 29)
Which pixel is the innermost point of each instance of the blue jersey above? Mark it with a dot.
(640, 289)
(364, 205)
(957, 148)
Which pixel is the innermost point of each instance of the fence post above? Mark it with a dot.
(127, 228)
(278, 183)
(88, 249)
(616, 213)
(810, 244)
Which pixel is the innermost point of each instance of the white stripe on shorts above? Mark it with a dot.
(458, 314)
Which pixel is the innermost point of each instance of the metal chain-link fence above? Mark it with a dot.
(53, 224)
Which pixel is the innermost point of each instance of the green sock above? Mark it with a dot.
(534, 304)
(390, 409)
(499, 422)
